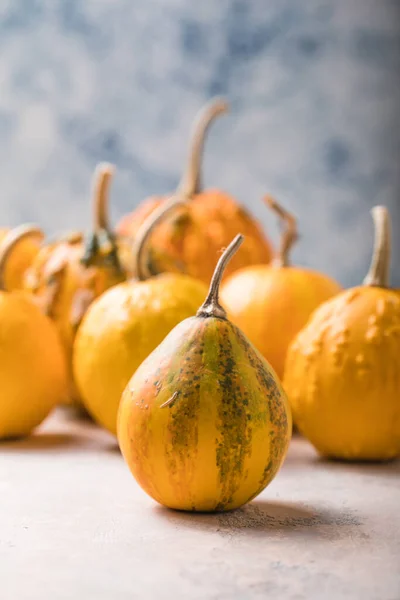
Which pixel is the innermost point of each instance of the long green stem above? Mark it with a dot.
(211, 306)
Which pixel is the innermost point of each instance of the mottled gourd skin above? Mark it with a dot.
(193, 239)
(33, 375)
(204, 424)
(342, 376)
(64, 288)
(271, 305)
(120, 330)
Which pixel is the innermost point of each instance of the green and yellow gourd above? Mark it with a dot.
(204, 423)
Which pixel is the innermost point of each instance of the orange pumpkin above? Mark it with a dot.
(271, 303)
(69, 273)
(192, 240)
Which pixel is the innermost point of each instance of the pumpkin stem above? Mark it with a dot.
(211, 306)
(140, 245)
(378, 274)
(9, 243)
(190, 183)
(289, 236)
(101, 245)
(101, 191)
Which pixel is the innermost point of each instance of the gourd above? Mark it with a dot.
(67, 274)
(342, 374)
(33, 376)
(204, 424)
(126, 323)
(21, 259)
(271, 303)
(191, 241)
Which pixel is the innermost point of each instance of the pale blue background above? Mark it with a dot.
(315, 93)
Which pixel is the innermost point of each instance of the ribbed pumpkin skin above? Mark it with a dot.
(192, 240)
(64, 288)
(223, 438)
(342, 376)
(272, 304)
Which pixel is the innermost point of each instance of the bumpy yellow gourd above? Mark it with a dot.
(271, 303)
(204, 424)
(342, 373)
(125, 324)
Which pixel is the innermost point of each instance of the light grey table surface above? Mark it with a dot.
(75, 525)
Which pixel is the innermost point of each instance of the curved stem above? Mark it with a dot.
(190, 183)
(143, 234)
(378, 274)
(290, 233)
(101, 187)
(211, 306)
(11, 239)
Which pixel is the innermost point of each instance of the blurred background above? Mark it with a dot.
(314, 88)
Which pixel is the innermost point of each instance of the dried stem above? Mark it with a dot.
(378, 274)
(101, 188)
(140, 251)
(9, 243)
(289, 235)
(190, 183)
(211, 306)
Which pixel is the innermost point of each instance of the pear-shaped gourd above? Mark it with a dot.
(207, 223)
(204, 424)
(271, 303)
(342, 373)
(33, 375)
(66, 275)
(126, 323)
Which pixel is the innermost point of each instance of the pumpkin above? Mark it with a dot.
(29, 240)
(33, 375)
(191, 241)
(126, 323)
(271, 303)
(342, 374)
(67, 274)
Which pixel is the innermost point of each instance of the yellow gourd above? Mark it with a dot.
(67, 274)
(342, 373)
(126, 323)
(204, 424)
(33, 376)
(271, 303)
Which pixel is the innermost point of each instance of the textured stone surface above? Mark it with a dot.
(74, 524)
(315, 94)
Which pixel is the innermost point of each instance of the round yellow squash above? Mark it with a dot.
(32, 366)
(342, 373)
(271, 303)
